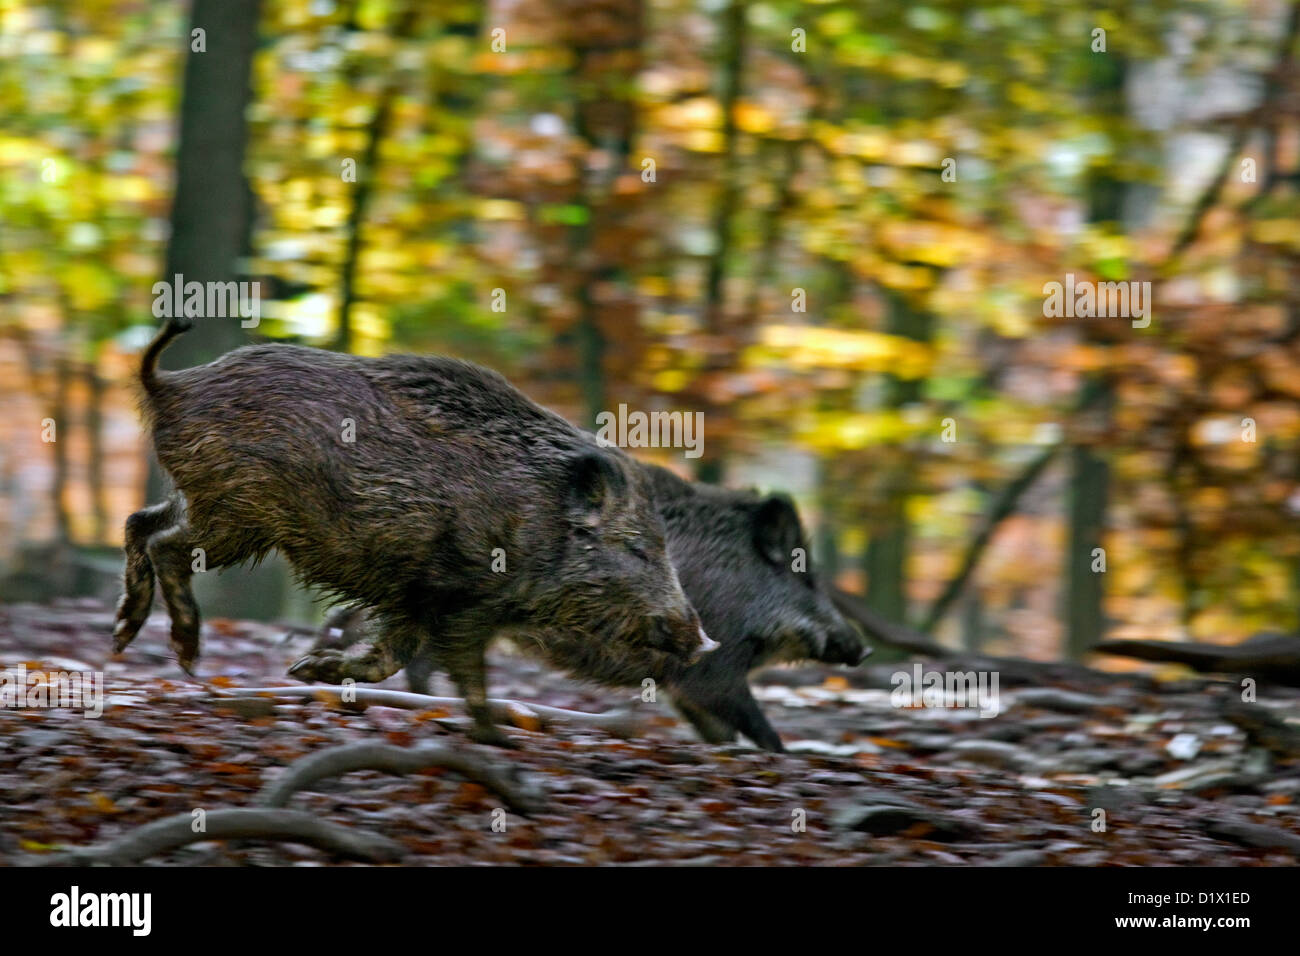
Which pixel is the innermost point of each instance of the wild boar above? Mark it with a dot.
(736, 555)
(745, 561)
(428, 489)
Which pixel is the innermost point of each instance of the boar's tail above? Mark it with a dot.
(149, 363)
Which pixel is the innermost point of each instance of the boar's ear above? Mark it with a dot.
(776, 529)
(593, 480)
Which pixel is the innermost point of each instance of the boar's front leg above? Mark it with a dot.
(714, 696)
(464, 661)
(750, 720)
(418, 673)
(718, 713)
(138, 576)
(710, 729)
(378, 660)
(346, 626)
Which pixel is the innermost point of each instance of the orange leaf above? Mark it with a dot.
(102, 803)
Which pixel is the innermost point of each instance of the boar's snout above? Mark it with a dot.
(844, 646)
(707, 646)
(681, 635)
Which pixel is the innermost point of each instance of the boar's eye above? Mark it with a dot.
(636, 547)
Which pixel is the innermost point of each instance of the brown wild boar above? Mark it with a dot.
(744, 563)
(428, 489)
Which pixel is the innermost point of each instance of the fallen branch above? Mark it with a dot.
(281, 826)
(1269, 658)
(395, 760)
(621, 723)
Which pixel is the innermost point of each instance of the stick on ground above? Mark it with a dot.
(620, 723)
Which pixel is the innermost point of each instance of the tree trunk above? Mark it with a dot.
(211, 221)
(972, 622)
(605, 114)
(1089, 485)
(1089, 477)
(97, 393)
(364, 187)
(887, 548)
(211, 213)
(61, 413)
(710, 468)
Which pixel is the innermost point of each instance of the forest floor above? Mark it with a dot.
(865, 783)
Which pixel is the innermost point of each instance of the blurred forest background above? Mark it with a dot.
(828, 226)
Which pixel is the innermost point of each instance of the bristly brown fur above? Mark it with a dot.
(733, 551)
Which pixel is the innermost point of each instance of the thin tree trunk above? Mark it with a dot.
(972, 622)
(61, 413)
(605, 114)
(887, 548)
(97, 393)
(734, 35)
(211, 215)
(709, 467)
(772, 222)
(367, 175)
(1090, 473)
(211, 221)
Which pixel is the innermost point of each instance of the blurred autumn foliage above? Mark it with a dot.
(827, 225)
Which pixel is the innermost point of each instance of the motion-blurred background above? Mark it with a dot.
(828, 226)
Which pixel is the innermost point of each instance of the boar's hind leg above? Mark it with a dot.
(170, 551)
(138, 577)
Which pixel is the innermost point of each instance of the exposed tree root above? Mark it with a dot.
(284, 826)
(397, 760)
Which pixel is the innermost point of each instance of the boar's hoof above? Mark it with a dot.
(187, 653)
(124, 632)
(324, 666)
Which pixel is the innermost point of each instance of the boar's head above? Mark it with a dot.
(610, 601)
(747, 569)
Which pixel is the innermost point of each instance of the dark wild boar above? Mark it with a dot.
(449, 471)
(734, 552)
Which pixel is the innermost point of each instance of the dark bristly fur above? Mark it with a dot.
(733, 551)
(448, 463)
(734, 554)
